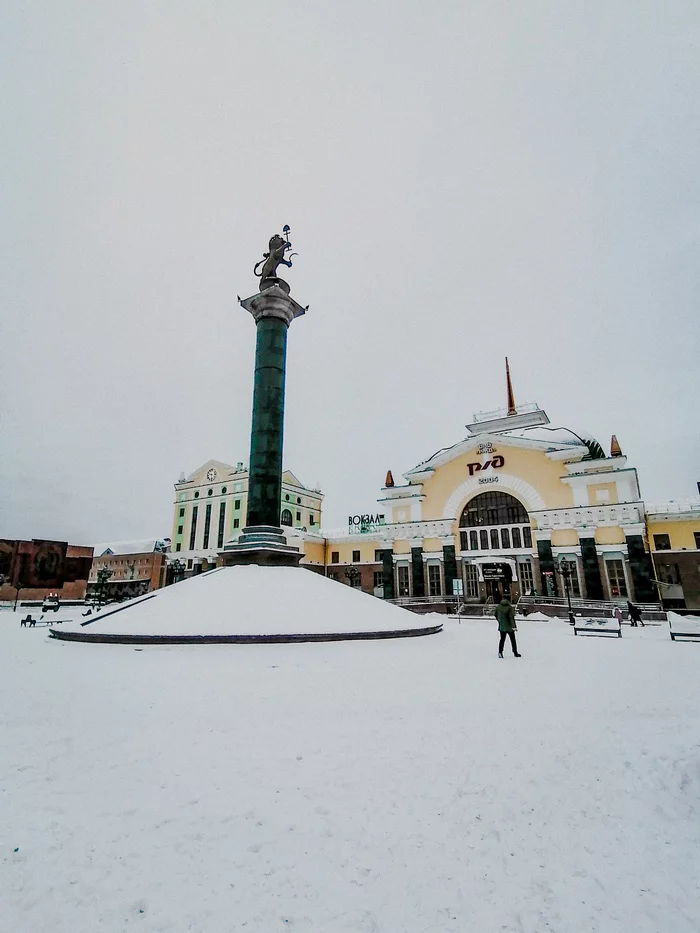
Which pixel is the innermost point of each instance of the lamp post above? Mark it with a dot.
(565, 572)
(18, 586)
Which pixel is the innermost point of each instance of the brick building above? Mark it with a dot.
(43, 567)
(135, 568)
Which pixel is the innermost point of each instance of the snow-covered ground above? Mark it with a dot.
(402, 786)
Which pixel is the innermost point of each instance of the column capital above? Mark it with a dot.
(273, 302)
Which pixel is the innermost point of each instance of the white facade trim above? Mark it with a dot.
(527, 494)
(584, 518)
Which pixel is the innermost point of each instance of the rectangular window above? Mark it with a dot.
(193, 529)
(527, 536)
(179, 529)
(182, 513)
(472, 581)
(484, 539)
(298, 516)
(662, 542)
(463, 541)
(356, 557)
(335, 557)
(237, 504)
(616, 578)
(473, 541)
(189, 564)
(505, 537)
(402, 580)
(378, 579)
(222, 519)
(236, 523)
(670, 573)
(434, 583)
(178, 546)
(377, 557)
(207, 525)
(312, 520)
(517, 540)
(527, 583)
(697, 538)
(495, 543)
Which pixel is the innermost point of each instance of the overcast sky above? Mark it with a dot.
(464, 180)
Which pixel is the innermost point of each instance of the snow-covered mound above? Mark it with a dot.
(533, 617)
(249, 603)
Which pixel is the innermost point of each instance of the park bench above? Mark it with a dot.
(683, 628)
(606, 627)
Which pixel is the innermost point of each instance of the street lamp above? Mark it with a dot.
(566, 572)
(18, 586)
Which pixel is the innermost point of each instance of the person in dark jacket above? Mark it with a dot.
(635, 614)
(506, 625)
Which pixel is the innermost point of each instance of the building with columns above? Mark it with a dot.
(518, 507)
(500, 511)
(210, 510)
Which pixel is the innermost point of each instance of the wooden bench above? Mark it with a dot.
(599, 627)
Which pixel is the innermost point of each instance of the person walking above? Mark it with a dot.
(635, 614)
(505, 613)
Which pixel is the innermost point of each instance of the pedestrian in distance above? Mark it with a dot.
(635, 614)
(505, 613)
(617, 612)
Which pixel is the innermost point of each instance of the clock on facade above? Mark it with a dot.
(211, 475)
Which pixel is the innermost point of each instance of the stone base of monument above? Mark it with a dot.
(263, 545)
(248, 604)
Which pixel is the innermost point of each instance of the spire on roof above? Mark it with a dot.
(389, 481)
(615, 450)
(509, 391)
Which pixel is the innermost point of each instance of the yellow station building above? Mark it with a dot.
(517, 507)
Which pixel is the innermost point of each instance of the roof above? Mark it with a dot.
(140, 546)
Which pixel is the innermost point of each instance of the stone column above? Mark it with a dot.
(262, 540)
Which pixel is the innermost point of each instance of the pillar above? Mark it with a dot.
(640, 565)
(417, 572)
(262, 540)
(591, 568)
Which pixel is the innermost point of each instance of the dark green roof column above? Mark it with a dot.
(267, 431)
(642, 571)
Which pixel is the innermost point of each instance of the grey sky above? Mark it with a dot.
(463, 180)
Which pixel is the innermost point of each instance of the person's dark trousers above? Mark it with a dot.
(502, 642)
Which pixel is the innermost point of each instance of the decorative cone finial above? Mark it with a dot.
(509, 390)
(615, 450)
(389, 481)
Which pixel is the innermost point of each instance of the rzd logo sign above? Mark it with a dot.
(497, 462)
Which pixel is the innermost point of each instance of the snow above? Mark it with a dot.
(534, 617)
(413, 785)
(252, 600)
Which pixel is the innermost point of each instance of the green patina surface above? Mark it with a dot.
(265, 477)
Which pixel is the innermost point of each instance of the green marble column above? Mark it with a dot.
(267, 432)
(262, 540)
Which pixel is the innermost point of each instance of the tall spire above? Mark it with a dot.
(509, 389)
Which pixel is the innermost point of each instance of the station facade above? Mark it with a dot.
(518, 507)
(505, 511)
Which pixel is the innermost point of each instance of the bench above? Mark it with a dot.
(605, 627)
(683, 628)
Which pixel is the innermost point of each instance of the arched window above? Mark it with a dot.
(286, 518)
(493, 508)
